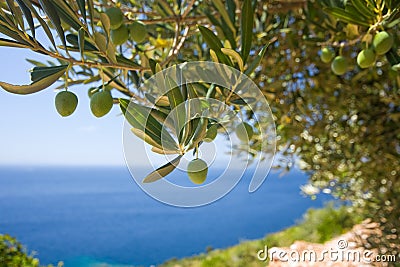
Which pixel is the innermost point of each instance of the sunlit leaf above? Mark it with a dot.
(162, 171)
(33, 87)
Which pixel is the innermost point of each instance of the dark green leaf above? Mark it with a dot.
(11, 43)
(82, 41)
(41, 21)
(257, 60)
(82, 8)
(362, 7)
(67, 14)
(176, 100)
(28, 16)
(162, 171)
(54, 17)
(247, 23)
(345, 16)
(215, 44)
(38, 73)
(33, 87)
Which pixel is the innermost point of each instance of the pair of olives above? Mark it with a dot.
(100, 103)
(120, 33)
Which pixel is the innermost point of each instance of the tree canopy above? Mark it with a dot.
(329, 70)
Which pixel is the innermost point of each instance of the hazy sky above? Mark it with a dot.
(33, 133)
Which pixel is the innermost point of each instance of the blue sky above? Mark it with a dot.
(32, 132)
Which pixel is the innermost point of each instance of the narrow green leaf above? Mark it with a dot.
(361, 6)
(41, 21)
(176, 99)
(27, 15)
(33, 87)
(257, 60)
(345, 16)
(67, 14)
(162, 171)
(148, 124)
(393, 57)
(127, 62)
(82, 41)
(16, 13)
(91, 13)
(82, 8)
(247, 23)
(222, 11)
(11, 43)
(199, 133)
(54, 17)
(231, 10)
(215, 44)
(39, 73)
(74, 40)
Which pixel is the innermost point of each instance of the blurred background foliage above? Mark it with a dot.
(341, 129)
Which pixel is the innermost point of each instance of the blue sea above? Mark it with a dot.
(98, 216)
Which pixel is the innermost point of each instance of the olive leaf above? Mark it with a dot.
(345, 16)
(178, 109)
(162, 171)
(257, 60)
(36, 86)
(82, 8)
(247, 23)
(28, 16)
(11, 43)
(54, 17)
(67, 14)
(215, 44)
(39, 73)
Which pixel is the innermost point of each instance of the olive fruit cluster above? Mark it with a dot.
(120, 33)
(381, 44)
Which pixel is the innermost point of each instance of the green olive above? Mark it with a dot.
(116, 17)
(244, 131)
(120, 35)
(101, 103)
(339, 65)
(66, 103)
(137, 31)
(366, 58)
(382, 42)
(197, 171)
(327, 55)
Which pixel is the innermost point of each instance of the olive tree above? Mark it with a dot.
(329, 70)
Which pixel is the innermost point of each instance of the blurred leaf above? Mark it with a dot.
(345, 16)
(247, 23)
(162, 171)
(232, 53)
(361, 6)
(82, 42)
(91, 12)
(222, 11)
(16, 13)
(215, 44)
(257, 60)
(82, 8)
(33, 87)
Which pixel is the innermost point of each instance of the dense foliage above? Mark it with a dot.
(13, 254)
(331, 76)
